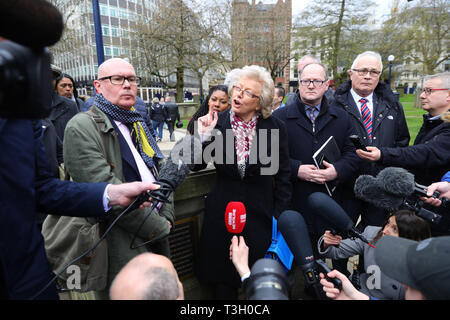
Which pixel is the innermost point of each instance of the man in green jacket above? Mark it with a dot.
(112, 143)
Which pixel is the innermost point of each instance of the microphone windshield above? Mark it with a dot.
(396, 181)
(235, 217)
(367, 189)
(184, 155)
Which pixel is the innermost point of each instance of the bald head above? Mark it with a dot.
(122, 95)
(148, 276)
(110, 65)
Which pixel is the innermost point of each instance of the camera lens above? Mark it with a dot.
(267, 281)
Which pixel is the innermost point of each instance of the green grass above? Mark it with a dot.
(413, 115)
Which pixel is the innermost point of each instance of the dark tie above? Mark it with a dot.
(310, 111)
(133, 135)
(366, 116)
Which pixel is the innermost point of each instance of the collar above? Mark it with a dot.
(357, 97)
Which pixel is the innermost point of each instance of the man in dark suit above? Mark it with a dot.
(310, 121)
(379, 121)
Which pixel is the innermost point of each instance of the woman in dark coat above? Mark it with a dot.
(253, 170)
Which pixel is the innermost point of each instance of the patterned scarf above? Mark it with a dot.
(244, 133)
(148, 148)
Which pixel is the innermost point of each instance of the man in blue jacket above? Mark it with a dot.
(27, 186)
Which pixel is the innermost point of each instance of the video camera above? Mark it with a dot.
(25, 81)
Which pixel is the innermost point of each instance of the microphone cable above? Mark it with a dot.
(134, 205)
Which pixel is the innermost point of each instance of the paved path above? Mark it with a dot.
(165, 145)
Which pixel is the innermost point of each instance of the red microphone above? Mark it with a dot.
(235, 217)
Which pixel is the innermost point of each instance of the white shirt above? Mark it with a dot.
(357, 97)
(144, 171)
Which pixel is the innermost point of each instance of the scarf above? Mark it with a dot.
(244, 133)
(146, 144)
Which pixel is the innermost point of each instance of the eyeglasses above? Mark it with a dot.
(120, 80)
(363, 72)
(247, 93)
(316, 83)
(428, 91)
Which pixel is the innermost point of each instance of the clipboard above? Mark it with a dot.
(329, 152)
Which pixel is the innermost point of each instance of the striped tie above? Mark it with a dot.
(366, 116)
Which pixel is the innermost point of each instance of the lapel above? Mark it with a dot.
(297, 114)
(129, 166)
(353, 107)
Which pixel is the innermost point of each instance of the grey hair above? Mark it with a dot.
(162, 285)
(261, 75)
(368, 53)
(325, 69)
(444, 76)
(308, 56)
(155, 100)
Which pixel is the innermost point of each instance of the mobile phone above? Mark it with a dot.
(357, 142)
(324, 269)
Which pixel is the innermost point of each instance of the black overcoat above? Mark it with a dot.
(265, 191)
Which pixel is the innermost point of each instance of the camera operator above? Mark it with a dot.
(26, 184)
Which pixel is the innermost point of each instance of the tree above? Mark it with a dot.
(419, 31)
(167, 40)
(337, 28)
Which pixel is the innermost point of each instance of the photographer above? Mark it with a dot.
(26, 184)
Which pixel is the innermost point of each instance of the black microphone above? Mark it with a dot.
(331, 211)
(32, 23)
(293, 228)
(184, 155)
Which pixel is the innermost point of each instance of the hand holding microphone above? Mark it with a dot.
(235, 218)
(443, 188)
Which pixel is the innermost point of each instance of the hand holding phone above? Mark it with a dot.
(357, 142)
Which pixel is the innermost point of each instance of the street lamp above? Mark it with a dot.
(390, 59)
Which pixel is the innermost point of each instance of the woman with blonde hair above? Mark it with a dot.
(251, 158)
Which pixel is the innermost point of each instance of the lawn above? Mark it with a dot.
(413, 115)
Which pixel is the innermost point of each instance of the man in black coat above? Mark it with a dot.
(172, 115)
(429, 158)
(388, 124)
(307, 134)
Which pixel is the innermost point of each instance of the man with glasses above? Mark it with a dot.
(310, 121)
(377, 118)
(112, 143)
(429, 158)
